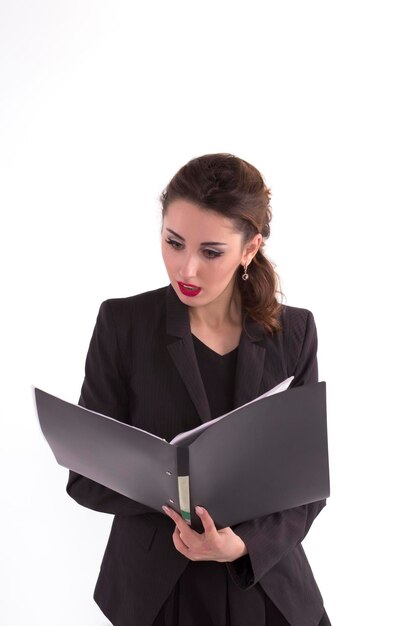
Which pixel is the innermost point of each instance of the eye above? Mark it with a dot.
(212, 254)
(175, 244)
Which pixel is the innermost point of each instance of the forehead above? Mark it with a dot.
(190, 220)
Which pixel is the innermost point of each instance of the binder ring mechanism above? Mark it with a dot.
(168, 473)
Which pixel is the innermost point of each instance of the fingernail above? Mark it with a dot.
(165, 509)
(199, 510)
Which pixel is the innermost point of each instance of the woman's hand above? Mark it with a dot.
(212, 545)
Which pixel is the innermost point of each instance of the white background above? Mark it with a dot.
(101, 103)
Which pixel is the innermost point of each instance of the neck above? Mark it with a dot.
(226, 310)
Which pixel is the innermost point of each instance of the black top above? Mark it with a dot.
(218, 374)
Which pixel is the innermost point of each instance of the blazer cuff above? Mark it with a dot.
(241, 572)
(268, 539)
(247, 570)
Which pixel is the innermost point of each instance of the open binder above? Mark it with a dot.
(268, 455)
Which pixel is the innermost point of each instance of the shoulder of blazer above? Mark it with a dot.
(138, 317)
(141, 307)
(144, 299)
(299, 332)
(294, 319)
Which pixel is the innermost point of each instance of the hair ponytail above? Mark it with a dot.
(258, 292)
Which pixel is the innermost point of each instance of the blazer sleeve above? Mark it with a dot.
(269, 538)
(104, 390)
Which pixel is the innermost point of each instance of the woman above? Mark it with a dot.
(168, 359)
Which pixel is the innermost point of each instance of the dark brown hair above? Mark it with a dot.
(235, 189)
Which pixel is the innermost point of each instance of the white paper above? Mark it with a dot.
(283, 386)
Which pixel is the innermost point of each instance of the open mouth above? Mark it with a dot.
(189, 290)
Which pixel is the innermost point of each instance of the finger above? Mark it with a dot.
(186, 532)
(177, 543)
(207, 520)
(180, 546)
(177, 534)
(178, 519)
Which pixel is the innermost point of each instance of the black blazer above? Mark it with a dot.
(141, 369)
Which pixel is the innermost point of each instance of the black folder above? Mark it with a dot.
(269, 455)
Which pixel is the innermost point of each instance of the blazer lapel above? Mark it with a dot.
(250, 357)
(182, 352)
(250, 363)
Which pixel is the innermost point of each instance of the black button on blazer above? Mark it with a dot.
(141, 369)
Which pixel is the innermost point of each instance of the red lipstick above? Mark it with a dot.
(189, 290)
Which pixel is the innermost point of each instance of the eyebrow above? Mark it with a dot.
(203, 243)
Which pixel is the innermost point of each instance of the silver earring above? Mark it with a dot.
(245, 276)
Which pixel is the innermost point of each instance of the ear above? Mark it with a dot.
(251, 249)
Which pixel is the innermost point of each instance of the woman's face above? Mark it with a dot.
(200, 248)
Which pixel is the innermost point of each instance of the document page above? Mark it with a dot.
(190, 435)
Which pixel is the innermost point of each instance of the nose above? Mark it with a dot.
(189, 267)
